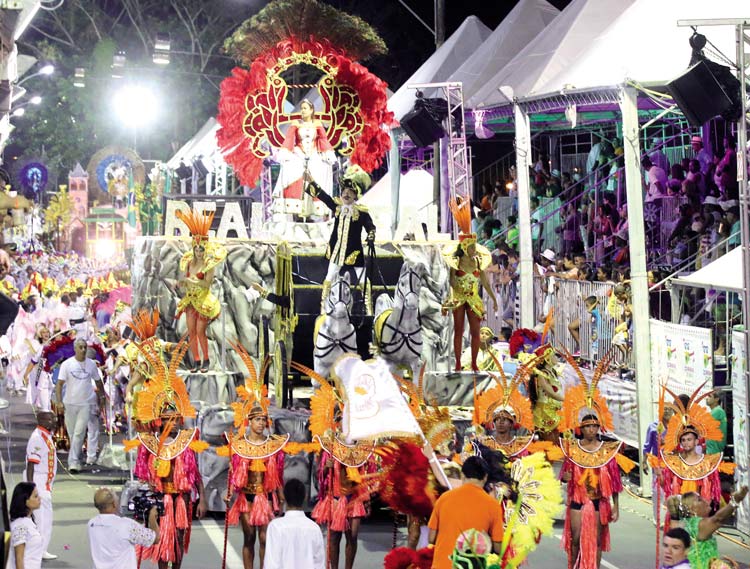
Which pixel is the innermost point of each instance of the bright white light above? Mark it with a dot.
(35, 100)
(19, 112)
(48, 69)
(105, 249)
(135, 105)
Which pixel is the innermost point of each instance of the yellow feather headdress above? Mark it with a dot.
(323, 403)
(435, 421)
(461, 210)
(164, 392)
(253, 395)
(506, 398)
(585, 398)
(690, 418)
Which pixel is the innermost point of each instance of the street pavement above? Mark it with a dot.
(633, 536)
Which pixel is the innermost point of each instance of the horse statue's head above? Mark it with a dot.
(339, 300)
(409, 284)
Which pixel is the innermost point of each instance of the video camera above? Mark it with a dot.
(141, 503)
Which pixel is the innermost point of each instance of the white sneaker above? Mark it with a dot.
(46, 556)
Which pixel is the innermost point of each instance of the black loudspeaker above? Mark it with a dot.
(422, 127)
(707, 90)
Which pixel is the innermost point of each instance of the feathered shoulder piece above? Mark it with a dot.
(323, 403)
(585, 399)
(144, 323)
(689, 418)
(253, 395)
(303, 19)
(165, 391)
(505, 398)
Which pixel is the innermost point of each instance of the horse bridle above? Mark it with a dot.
(343, 286)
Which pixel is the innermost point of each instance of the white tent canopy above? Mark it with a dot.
(557, 47)
(518, 28)
(724, 273)
(203, 143)
(416, 186)
(439, 66)
(661, 57)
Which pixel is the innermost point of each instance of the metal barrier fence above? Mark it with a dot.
(567, 298)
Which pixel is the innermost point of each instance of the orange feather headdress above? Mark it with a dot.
(585, 398)
(323, 403)
(253, 395)
(690, 418)
(435, 421)
(505, 398)
(461, 210)
(144, 323)
(199, 224)
(165, 392)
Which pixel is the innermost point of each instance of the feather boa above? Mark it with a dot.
(404, 480)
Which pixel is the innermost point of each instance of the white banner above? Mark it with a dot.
(681, 357)
(740, 427)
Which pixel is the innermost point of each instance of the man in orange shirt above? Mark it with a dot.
(464, 508)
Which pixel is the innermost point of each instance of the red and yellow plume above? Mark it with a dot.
(253, 395)
(585, 398)
(164, 391)
(323, 402)
(692, 417)
(144, 323)
(199, 224)
(505, 397)
(461, 210)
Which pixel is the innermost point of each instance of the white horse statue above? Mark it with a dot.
(334, 333)
(397, 328)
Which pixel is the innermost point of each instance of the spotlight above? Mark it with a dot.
(35, 100)
(118, 64)
(19, 112)
(199, 164)
(48, 69)
(136, 105)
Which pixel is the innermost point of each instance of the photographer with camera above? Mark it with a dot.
(113, 538)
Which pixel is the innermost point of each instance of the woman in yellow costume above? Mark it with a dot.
(256, 473)
(167, 458)
(591, 470)
(467, 261)
(198, 304)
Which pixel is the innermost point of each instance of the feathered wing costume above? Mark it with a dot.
(344, 488)
(169, 466)
(257, 469)
(595, 475)
(679, 476)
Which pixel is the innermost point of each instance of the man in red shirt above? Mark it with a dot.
(464, 508)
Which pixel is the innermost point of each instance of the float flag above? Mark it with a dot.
(373, 404)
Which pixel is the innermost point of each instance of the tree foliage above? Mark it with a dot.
(73, 123)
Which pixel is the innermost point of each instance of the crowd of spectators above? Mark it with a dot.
(698, 197)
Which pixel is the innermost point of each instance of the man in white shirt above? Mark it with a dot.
(702, 155)
(79, 374)
(294, 540)
(657, 180)
(41, 468)
(113, 538)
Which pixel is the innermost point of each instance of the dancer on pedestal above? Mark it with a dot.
(350, 218)
(256, 472)
(306, 150)
(198, 304)
(467, 261)
(167, 458)
(590, 470)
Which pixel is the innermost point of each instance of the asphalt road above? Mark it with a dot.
(633, 536)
